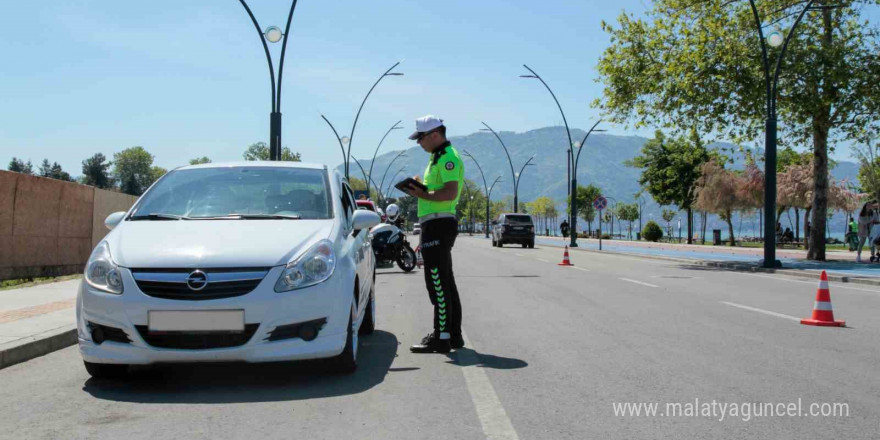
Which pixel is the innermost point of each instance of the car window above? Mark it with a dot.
(519, 219)
(217, 192)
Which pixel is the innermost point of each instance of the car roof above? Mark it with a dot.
(257, 163)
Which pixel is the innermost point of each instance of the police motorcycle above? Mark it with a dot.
(390, 244)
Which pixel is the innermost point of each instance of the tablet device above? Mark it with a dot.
(410, 182)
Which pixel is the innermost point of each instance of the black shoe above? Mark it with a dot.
(432, 344)
(456, 341)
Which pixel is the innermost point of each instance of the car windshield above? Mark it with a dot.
(238, 193)
(519, 219)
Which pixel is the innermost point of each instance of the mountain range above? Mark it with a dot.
(601, 163)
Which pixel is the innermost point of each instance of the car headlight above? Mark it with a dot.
(312, 267)
(101, 272)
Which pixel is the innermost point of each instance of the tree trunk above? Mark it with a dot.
(729, 218)
(703, 218)
(807, 239)
(690, 219)
(821, 126)
(797, 225)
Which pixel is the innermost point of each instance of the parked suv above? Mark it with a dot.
(514, 228)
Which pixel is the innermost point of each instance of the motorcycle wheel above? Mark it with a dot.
(407, 259)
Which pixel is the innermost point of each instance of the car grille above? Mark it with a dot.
(221, 283)
(197, 340)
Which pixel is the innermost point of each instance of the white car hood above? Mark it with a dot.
(213, 243)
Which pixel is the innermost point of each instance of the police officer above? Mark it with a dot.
(436, 210)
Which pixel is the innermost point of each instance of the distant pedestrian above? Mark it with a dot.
(563, 228)
(868, 217)
(852, 236)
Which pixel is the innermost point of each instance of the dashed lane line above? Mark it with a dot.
(766, 312)
(637, 282)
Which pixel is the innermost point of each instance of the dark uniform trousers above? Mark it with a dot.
(438, 237)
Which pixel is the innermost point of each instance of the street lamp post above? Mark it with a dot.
(488, 189)
(518, 176)
(373, 161)
(382, 182)
(346, 155)
(774, 39)
(273, 35)
(390, 184)
(572, 192)
(513, 174)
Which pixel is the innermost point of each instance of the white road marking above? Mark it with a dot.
(580, 268)
(541, 259)
(766, 312)
(493, 418)
(637, 282)
(519, 255)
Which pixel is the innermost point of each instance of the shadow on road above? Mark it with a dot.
(466, 357)
(219, 383)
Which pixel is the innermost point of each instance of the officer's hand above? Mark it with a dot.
(417, 192)
(417, 178)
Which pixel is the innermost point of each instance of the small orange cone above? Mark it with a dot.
(822, 313)
(565, 260)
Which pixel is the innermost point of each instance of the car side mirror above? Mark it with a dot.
(363, 219)
(113, 219)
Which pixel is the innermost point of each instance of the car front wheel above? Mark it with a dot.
(368, 325)
(346, 362)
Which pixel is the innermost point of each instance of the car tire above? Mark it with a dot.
(368, 325)
(525, 245)
(494, 243)
(346, 362)
(106, 371)
(532, 244)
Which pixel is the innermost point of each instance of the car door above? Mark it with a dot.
(360, 249)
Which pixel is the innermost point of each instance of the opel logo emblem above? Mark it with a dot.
(197, 280)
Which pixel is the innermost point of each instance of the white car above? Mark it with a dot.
(247, 261)
(417, 229)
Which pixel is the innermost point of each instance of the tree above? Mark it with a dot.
(200, 160)
(53, 171)
(717, 192)
(133, 169)
(155, 173)
(45, 169)
(260, 151)
(670, 167)
(628, 212)
(668, 215)
(697, 63)
(95, 173)
(19, 166)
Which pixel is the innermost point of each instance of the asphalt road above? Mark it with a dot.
(551, 350)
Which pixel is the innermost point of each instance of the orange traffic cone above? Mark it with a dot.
(565, 260)
(822, 313)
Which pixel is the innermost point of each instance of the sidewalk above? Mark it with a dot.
(36, 320)
(839, 264)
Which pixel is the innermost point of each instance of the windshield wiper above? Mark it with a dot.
(265, 216)
(158, 216)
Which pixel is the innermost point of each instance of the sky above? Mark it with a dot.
(190, 79)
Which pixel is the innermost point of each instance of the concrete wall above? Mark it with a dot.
(49, 227)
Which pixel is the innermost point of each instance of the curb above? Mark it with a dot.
(740, 267)
(35, 346)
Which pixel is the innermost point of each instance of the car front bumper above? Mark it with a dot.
(330, 300)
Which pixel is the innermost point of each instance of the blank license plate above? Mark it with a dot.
(194, 321)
